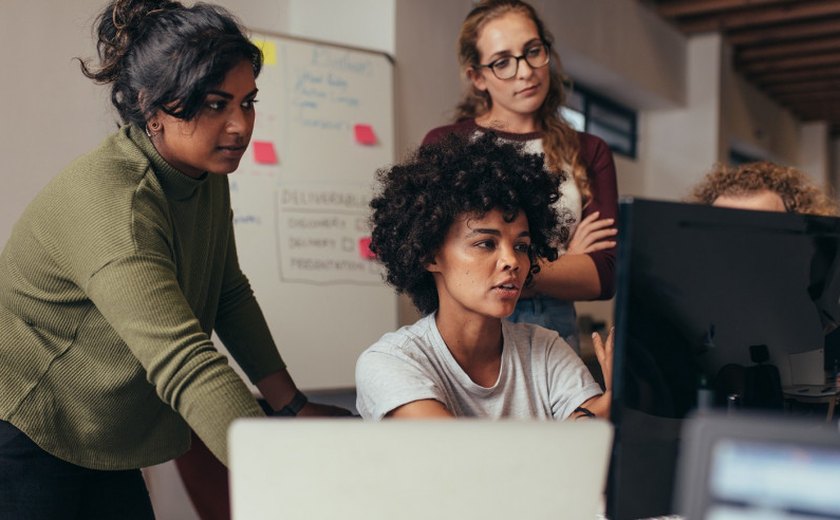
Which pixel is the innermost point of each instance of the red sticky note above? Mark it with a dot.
(365, 135)
(264, 152)
(364, 249)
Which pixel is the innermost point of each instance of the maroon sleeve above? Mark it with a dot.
(600, 168)
(436, 135)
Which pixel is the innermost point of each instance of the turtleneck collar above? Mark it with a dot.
(176, 185)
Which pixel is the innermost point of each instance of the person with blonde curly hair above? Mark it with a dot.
(763, 186)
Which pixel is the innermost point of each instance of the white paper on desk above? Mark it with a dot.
(806, 368)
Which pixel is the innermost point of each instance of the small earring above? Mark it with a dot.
(155, 126)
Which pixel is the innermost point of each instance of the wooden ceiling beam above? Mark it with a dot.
(813, 118)
(788, 64)
(806, 92)
(827, 105)
(824, 108)
(803, 89)
(777, 33)
(759, 16)
(810, 117)
(698, 7)
(811, 100)
(825, 102)
(789, 49)
(816, 115)
(792, 77)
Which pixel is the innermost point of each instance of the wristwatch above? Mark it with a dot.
(294, 406)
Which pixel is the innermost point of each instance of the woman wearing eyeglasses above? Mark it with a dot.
(515, 89)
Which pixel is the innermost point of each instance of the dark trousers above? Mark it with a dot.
(35, 485)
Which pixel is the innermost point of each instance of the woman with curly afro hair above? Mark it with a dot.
(763, 186)
(461, 227)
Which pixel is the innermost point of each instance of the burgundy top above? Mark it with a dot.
(596, 158)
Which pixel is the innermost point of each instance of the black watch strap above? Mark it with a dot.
(585, 412)
(294, 406)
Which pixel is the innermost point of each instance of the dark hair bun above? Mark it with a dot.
(119, 25)
(161, 56)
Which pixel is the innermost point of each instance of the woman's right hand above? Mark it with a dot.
(592, 234)
(604, 354)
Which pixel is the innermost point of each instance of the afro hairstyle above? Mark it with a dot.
(419, 199)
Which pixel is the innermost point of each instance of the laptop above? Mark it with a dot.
(748, 466)
(309, 469)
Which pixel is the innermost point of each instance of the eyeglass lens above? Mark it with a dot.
(506, 68)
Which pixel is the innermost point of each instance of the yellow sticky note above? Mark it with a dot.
(269, 50)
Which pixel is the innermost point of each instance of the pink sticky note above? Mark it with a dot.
(364, 249)
(264, 152)
(365, 134)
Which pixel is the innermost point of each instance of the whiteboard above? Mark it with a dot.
(300, 197)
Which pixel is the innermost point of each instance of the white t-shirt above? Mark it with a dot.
(541, 377)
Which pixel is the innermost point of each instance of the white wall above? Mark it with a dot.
(752, 123)
(814, 152)
(428, 78)
(834, 165)
(681, 144)
(621, 48)
(360, 23)
(51, 113)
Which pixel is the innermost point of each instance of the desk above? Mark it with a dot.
(814, 394)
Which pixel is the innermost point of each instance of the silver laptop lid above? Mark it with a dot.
(329, 469)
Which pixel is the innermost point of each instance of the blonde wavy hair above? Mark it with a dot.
(560, 140)
(796, 190)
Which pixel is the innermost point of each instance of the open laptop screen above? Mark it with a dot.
(748, 467)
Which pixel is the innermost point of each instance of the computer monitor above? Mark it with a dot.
(709, 304)
(832, 353)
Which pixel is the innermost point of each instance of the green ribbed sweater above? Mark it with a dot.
(110, 285)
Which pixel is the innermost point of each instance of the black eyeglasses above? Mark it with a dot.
(506, 67)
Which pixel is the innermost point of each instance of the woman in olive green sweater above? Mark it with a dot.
(117, 273)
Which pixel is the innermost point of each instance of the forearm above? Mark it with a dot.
(599, 405)
(277, 388)
(570, 277)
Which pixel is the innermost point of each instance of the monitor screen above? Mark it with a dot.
(752, 465)
(710, 304)
(756, 478)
